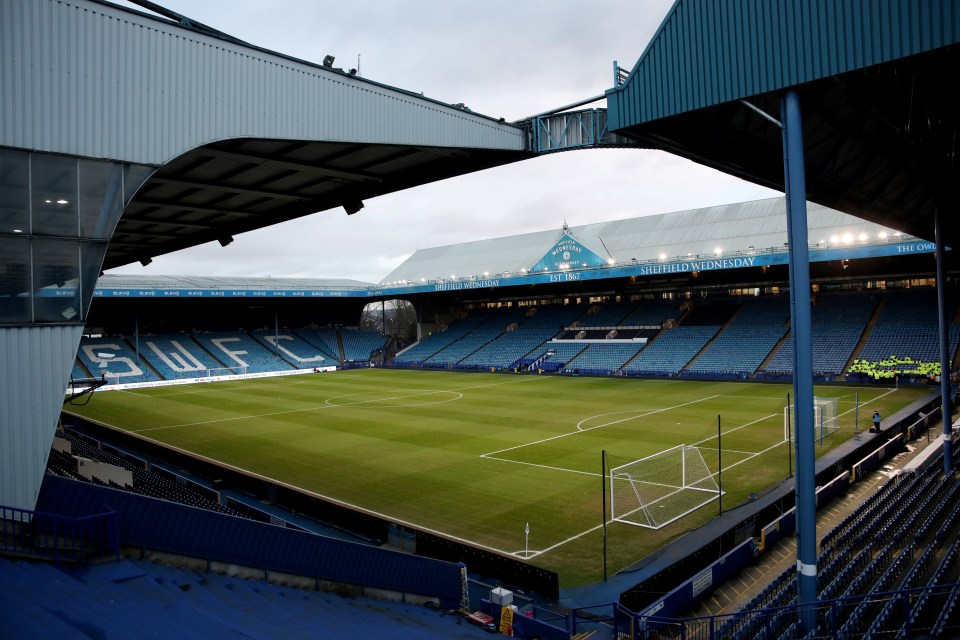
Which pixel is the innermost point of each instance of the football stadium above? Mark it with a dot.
(732, 421)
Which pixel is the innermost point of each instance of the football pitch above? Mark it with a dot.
(477, 456)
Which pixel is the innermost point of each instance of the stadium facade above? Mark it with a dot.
(102, 172)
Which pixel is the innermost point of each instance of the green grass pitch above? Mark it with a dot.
(477, 456)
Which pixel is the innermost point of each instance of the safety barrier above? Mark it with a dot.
(157, 525)
(690, 591)
(873, 461)
(60, 538)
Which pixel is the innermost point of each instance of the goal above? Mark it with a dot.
(654, 491)
(826, 418)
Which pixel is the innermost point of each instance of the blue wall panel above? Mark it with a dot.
(165, 526)
(708, 52)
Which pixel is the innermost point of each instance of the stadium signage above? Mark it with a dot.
(569, 253)
(470, 284)
(697, 265)
(541, 275)
(917, 247)
(215, 293)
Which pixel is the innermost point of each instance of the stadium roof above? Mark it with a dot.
(110, 281)
(231, 137)
(724, 229)
(877, 87)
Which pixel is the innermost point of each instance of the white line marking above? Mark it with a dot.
(542, 466)
(454, 396)
(344, 503)
(312, 408)
(579, 430)
(640, 415)
(747, 424)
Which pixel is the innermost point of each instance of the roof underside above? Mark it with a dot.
(877, 84)
(219, 190)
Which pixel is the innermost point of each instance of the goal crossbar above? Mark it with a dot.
(654, 491)
(826, 418)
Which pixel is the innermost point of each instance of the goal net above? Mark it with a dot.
(654, 491)
(826, 418)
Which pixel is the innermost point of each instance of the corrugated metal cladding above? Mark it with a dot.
(97, 81)
(708, 52)
(35, 365)
(731, 227)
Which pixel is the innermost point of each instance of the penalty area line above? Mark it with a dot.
(343, 503)
(599, 426)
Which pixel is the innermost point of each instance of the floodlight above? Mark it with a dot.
(352, 206)
(146, 261)
(225, 240)
(328, 60)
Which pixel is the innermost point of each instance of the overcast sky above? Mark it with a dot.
(501, 58)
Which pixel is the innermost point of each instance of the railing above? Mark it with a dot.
(574, 130)
(59, 538)
(904, 613)
(587, 619)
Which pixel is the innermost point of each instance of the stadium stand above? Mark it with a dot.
(290, 347)
(903, 537)
(134, 597)
(177, 356)
(907, 327)
(492, 338)
(358, 345)
(456, 330)
(602, 358)
(78, 372)
(123, 367)
(743, 346)
(462, 348)
(652, 313)
(325, 340)
(671, 350)
(609, 314)
(145, 482)
(554, 356)
(837, 324)
(535, 326)
(237, 349)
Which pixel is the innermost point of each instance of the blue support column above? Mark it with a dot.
(799, 259)
(945, 391)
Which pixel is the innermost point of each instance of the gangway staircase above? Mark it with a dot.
(865, 335)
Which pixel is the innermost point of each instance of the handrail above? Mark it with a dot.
(60, 538)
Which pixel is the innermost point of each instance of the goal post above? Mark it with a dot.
(654, 491)
(826, 418)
